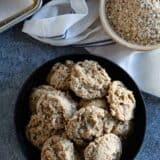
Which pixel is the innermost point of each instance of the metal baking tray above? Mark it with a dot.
(17, 18)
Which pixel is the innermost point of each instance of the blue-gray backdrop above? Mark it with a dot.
(19, 56)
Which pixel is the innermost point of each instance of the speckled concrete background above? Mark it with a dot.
(19, 56)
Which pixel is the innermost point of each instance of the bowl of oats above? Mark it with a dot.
(134, 23)
(80, 107)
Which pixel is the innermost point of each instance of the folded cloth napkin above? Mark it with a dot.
(76, 22)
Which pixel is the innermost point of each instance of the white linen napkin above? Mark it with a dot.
(71, 22)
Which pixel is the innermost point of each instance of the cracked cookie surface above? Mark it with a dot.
(107, 147)
(85, 125)
(58, 148)
(123, 129)
(37, 131)
(37, 93)
(56, 109)
(59, 76)
(121, 101)
(89, 80)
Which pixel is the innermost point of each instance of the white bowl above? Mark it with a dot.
(108, 29)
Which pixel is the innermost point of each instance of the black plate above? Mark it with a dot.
(22, 114)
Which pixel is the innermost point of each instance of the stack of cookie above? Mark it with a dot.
(80, 113)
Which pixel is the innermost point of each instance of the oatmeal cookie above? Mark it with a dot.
(85, 125)
(119, 128)
(109, 121)
(121, 101)
(107, 147)
(37, 94)
(59, 76)
(37, 131)
(123, 129)
(58, 148)
(56, 109)
(89, 80)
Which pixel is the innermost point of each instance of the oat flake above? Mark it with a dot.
(137, 21)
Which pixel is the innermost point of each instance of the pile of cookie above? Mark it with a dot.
(80, 114)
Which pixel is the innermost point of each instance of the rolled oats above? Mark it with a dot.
(137, 21)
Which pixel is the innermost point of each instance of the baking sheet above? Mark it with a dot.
(8, 8)
(14, 11)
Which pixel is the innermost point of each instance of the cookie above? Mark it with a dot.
(85, 125)
(123, 129)
(59, 76)
(37, 94)
(37, 131)
(121, 101)
(109, 121)
(58, 148)
(119, 128)
(107, 147)
(56, 109)
(89, 80)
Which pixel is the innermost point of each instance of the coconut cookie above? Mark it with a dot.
(56, 109)
(37, 94)
(85, 125)
(121, 100)
(58, 148)
(100, 102)
(89, 80)
(107, 147)
(37, 131)
(59, 76)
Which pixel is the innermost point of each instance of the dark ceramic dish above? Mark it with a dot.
(22, 113)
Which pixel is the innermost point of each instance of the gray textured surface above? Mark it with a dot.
(19, 56)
